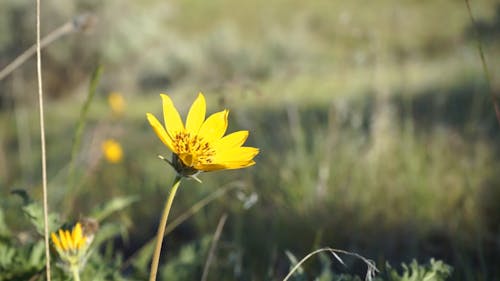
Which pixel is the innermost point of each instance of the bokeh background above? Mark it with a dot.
(374, 119)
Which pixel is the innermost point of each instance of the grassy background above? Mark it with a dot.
(374, 120)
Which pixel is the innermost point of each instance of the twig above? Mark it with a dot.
(217, 234)
(483, 62)
(81, 22)
(42, 140)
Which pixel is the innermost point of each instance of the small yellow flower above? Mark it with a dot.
(200, 145)
(112, 151)
(72, 246)
(116, 103)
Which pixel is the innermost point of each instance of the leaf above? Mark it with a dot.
(37, 255)
(21, 262)
(4, 229)
(107, 232)
(34, 211)
(116, 204)
(293, 262)
(143, 258)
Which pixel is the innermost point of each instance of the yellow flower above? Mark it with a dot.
(116, 103)
(200, 145)
(72, 246)
(112, 151)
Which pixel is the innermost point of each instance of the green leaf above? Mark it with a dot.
(117, 204)
(34, 211)
(4, 229)
(107, 232)
(299, 273)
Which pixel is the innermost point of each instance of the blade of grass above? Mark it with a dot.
(495, 106)
(77, 138)
(483, 62)
(218, 232)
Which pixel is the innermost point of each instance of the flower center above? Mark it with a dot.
(193, 150)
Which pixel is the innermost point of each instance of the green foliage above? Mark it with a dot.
(4, 229)
(114, 205)
(188, 263)
(34, 212)
(22, 254)
(433, 271)
(21, 262)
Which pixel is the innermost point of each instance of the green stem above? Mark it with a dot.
(161, 229)
(76, 273)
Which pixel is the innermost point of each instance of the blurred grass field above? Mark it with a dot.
(374, 119)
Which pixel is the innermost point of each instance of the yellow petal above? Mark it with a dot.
(227, 166)
(214, 127)
(188, 159)
(69, 240)
(64, 242)
(232, 140)
(211, 167)
(160, 131)
(56, 241)
(81, 243)
(173, 122)
(239, 154)
(77, 233)
(238, 164)
(196, 115)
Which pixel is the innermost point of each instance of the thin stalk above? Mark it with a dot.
(486, 71)
(161, 229)
(76, 273)
(77, 138)
(42, 140)
(211, 253)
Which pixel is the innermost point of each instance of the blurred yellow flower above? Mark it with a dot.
(112, 151)
(72, 246)
(200, 145)
(116, 103)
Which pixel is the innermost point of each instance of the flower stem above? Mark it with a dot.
(76, 273)
(161, 229)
